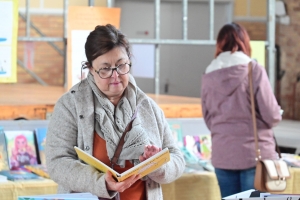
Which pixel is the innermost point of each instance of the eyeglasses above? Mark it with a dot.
(107, 72)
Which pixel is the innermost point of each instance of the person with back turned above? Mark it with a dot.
(226, 108)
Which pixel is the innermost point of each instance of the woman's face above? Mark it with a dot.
(114, 86)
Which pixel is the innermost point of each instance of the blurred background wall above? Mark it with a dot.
(48, 63)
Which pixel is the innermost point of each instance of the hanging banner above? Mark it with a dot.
(8, 40)
(81, 21)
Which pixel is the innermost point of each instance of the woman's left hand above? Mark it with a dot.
(113, 185)
(149, 151)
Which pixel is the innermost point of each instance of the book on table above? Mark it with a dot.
(71, 196)
(143, 168)
(4, 165)
(18, 175)
(21, 148)
(3, 178)
(38, 169)
(41, 143)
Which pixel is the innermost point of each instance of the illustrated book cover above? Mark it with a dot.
(71, 196)
(142, 168)
(197, 152)
(21, 148)
(3, 151)
(198, 145)
(176, 129)
(16, 175)
(41, 142)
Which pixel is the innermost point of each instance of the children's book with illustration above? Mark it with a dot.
(3, 151)
(142, 168)
(197, 152)
(21, 148)
(176, 129)
(71, 196)
(41, 142)
(199, 145)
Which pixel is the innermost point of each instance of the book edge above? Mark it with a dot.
(165, 150)
(95, 159)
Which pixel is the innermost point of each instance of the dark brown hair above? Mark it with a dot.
(102, 40)
(233, 37)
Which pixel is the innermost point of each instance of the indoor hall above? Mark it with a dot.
(172, 44)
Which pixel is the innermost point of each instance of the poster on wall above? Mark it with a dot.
(258, 51)
(81, 21)
(8, 40)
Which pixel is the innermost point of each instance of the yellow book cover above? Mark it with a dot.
(40, 170)
(143, 168)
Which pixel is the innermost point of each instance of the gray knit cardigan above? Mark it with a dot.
(72, 124)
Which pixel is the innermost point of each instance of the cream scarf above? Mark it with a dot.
(111, 121)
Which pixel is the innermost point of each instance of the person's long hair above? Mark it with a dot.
(233, 37)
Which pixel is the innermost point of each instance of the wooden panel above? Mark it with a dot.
(33, 3)
(181, 110)
(32, 101)
(240, 7)
(25, 111)
(258, 8)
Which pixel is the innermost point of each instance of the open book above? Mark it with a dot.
(143, 168)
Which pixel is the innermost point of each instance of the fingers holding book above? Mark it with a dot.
(113, 185)
(149, 151)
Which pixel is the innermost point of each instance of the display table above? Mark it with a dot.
(201, 185)
(32, 101)
(11, 190)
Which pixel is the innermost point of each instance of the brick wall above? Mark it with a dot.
(48, 64)
(256, 30)
(288, 37)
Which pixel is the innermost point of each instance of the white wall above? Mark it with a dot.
(181, 66)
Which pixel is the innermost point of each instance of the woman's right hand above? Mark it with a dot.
(113, 185)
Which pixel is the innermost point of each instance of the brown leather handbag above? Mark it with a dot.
(270, 175)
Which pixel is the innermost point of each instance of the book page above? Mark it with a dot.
(143, 168)
(148, 165)
(89, 159)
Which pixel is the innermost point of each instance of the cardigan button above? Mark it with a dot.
(81, 116)
(73, 91)
(87, 148)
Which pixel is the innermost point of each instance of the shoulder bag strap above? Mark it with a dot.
(258, 156)
(119, 148)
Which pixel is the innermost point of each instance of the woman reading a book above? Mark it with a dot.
(226, 109)
(95, 114)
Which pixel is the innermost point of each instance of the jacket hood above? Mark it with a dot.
(226, 72)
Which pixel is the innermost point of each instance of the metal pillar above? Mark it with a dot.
(109, 3)
(27, 19)
(271, 24)
(65, 36)
(211, 19)
(157, 50)
(91, 3)
(185, 19)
